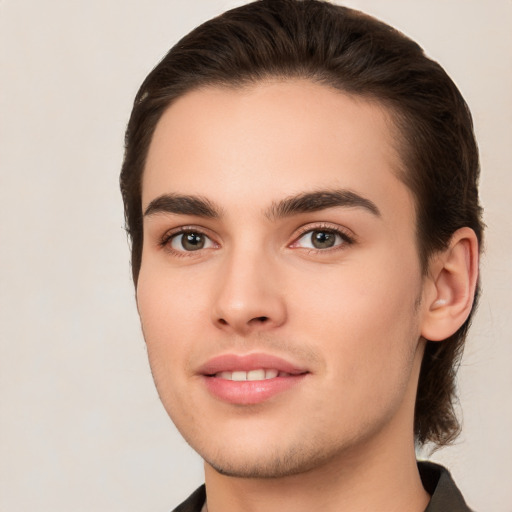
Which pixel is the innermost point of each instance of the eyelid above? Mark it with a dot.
(167, 237)
(346, 234)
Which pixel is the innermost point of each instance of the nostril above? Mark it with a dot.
(254, 321)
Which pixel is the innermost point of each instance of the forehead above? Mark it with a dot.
(255, 144)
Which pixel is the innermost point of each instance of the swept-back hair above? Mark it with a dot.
(355, 54)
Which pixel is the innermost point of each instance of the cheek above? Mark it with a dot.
(169, 311)
(366, 320)
(369, 296)
(167, 319)
(168, 300)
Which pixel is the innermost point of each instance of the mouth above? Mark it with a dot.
(253, 375)
(250, 379)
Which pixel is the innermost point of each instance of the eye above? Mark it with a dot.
(188, 241)
(321, 239)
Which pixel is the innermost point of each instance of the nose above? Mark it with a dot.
(249, 297)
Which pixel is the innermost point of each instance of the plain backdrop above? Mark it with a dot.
(81, 427)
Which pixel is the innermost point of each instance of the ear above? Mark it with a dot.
(450, 291)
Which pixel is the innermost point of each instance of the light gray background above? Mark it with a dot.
(81, 427)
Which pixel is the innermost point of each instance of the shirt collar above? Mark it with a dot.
(438, 482)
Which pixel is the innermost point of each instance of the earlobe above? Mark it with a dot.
(454, 275)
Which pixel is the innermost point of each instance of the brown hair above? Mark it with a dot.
(359, 55)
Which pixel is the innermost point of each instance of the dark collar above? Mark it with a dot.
(436, 480)
(194, 503)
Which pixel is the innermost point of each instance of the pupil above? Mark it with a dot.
(192, 241)
(323, 239)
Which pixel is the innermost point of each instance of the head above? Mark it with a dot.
(346, 51)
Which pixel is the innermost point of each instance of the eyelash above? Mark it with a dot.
(168, 237)
(347, 239)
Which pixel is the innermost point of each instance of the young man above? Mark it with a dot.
(300, 188)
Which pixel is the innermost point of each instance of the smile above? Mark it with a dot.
(253, 375)
(251, 378)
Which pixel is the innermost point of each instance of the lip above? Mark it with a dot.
(249, 392)
(248, 362)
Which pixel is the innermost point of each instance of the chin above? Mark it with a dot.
(262, 469)
(277, 463)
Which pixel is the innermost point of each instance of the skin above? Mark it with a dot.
(352, 314)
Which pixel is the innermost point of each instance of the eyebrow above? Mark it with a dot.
(320, 200)
(182, 205)
(301, 203)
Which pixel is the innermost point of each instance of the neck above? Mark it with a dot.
(387, 480)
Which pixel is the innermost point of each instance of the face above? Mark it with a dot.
(280, 288)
